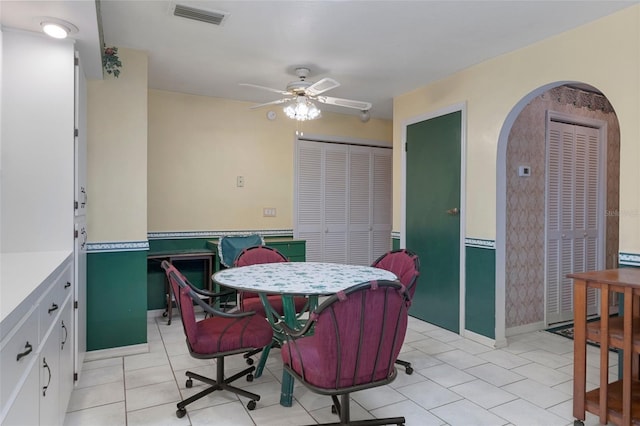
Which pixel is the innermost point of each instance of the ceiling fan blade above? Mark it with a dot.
(347, 103)
(282, 92)
(279, 101)
(321, 86)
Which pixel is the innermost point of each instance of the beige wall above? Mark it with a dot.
(117, 153)
(199, 145)
(605, 54)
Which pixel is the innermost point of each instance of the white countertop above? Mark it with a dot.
(22, 273)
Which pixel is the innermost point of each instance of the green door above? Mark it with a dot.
(433, 217)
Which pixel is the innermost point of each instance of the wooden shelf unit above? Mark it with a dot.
(617, 402)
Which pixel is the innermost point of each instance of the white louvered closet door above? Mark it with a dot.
(309, 187)
(572, 241)
(343, 201)
(381, 211)
(360, 188)
(335, 203)
(321, 176)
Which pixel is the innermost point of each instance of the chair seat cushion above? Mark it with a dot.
(255, 304)
(218, 334)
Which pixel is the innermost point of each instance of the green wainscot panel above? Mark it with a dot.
(156, 281)
(116, 299)
(480, 298)
(192, 269)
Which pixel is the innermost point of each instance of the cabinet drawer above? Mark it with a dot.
(51, 303)
(22, 344)
(25, 407)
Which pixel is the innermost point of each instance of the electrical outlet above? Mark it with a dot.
(240, 181)
(269, 212)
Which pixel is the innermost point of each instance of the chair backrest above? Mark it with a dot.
(357, 337)
(256, 255)
(184, 301)
(231, 245)
(404, 263)
(259, 254)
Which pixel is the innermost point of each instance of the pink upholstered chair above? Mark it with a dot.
(357, 335)
(406, 265)
(251, 301)
(215, 337)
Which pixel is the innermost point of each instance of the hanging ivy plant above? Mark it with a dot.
(110, 61)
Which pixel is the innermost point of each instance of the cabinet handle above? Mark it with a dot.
(84, 238)
(67, 285)
(28, 349)
(84, 196)
(45, 365)
(66, 335)
(53, 307)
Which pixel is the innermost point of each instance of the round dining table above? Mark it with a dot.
(289, 279)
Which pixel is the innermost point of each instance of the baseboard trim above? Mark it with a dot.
(117, 352)
(527, 328)
(479, 338)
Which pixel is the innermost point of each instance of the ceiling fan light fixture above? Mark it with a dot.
(302, 109)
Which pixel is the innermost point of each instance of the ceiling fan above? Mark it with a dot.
(300, 93)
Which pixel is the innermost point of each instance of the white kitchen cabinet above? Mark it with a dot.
(24, 409)
(42, 283)
(66, 348)
(36, 349)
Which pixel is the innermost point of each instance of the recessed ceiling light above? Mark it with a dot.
(57, 28)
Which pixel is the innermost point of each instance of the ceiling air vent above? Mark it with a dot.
(210, 16)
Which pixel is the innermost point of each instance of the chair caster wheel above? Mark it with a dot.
(249, 361)
(189, 383)
(164, 314)
(578, 423)
(180, 413)
(334, 410)
(251, 405)
(408, 370)
(249, 377)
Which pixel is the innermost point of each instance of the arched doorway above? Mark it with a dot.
(521, 211)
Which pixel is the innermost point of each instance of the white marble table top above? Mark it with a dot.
(304, 278)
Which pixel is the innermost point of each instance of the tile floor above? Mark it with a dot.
(456, 382)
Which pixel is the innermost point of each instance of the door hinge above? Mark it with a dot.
(406, 147)
(75, 132)
(75, 377)
(76, 62)
(75, 205)
(75, 233)
(75, 304)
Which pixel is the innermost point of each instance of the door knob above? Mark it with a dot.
(453, 212)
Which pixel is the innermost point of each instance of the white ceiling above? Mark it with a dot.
(375, 49)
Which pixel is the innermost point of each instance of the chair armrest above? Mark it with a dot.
(208, 293)
(294, 334)
(213, 311)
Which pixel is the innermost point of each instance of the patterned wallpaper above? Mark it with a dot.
(524, 269)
